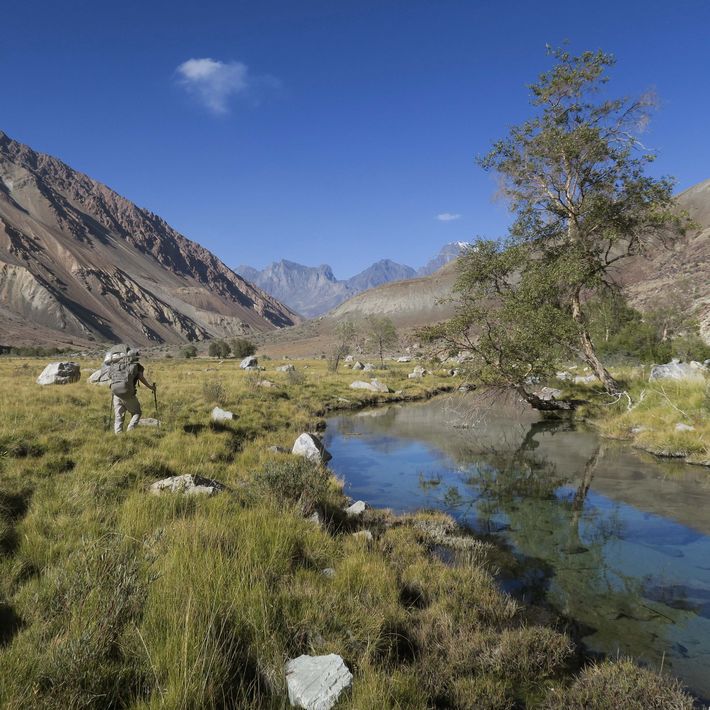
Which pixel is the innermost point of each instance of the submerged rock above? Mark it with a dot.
(59, 373)
(316, 682)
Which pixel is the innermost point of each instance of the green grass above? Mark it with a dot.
(114, 598)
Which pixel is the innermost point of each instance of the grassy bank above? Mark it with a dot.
(668, 418)
(111, 597)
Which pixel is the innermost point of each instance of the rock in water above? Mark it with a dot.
(221, 415)
(311, 447)
(249, 363)
(677, 370)
(316, 682)
(188, 484)
(59, 373)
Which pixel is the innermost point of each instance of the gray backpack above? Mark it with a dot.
(122, 370)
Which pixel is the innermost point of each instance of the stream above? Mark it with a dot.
(610, 537)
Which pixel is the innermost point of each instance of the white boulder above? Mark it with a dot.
(357, 365)
(310, 447)
(372, 386)
(59, 373)
(548, 394)
(417, 373)
(316, 682)
(221, 415)
(286, 368)
(100, 377)
(677, 370)
(368, 367)
(404, 358)
(188, 484)
(584, 379)
(149, 421)
(249, 363)
(684, 427)
(356, 509)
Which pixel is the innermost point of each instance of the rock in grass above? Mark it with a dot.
(249, 363)
(59, 373)
(372, 386)
(328, 572)
(584, 379)
(417, 373)
(677, 370)
(311, 447)
(149, 421)
(278, 450)
(316, 682)
(221, 415)
(100, 377)
(404, 358)
(684, 427)
(547, 394)
(286, 368)
(188, 484)
(357, 508)
(368, 367)
(357, 365)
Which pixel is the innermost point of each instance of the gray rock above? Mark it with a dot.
(328, 572)
(149, 421)
(357, 365)
(221, 415)
(466, 387)
(316, 682)
(286, 368)
(404, 358)
(684, 427)
(349, 358)
(417, 373)
(315, 519)
(368, 367)
(564, 376)
(372, 386)
(278, 450)
(677, 370)
(638, 429)
(249, 363)
(188, 484)
(356, 509)
(311, 447)
(268, 384)
(547, 394)
(59, 373)
(584, 379)
(100, 377)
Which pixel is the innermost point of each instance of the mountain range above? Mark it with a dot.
(80, 264)
(314, 290)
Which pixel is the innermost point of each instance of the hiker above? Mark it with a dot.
(125, 372)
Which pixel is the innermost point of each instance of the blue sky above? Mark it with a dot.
(327, 131)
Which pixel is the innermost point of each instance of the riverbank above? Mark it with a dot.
(111, 596)
(667, 418)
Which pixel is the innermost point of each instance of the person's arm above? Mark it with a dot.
(142, 380)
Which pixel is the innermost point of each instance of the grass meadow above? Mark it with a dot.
(114, 598)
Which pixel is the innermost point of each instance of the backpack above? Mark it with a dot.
(122, 363)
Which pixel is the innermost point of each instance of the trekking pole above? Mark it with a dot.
(155, 401)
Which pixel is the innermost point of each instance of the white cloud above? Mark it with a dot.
(447, 216)
(213, 82)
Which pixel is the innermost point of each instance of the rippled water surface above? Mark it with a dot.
(613, 538)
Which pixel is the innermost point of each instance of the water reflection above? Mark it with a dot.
(623, 541)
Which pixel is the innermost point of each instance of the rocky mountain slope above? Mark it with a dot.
(313, 290)
(80, 264)
(685, 268)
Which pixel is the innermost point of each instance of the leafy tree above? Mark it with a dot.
(189, 351)
(381, 334)
(574, 178)
(345, 335)
(241, 347)
(218, 348)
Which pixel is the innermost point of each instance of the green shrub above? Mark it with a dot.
(296, 481)
(620, 685)
(218, 348)
(214, 391)
(241, 347)
(188, 351)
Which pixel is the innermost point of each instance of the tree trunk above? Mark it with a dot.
(590, 356)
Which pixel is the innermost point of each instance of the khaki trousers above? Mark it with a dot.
(121, 405)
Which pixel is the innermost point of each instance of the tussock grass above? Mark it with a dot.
(114, 598)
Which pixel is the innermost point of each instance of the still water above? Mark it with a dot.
(612, 538)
